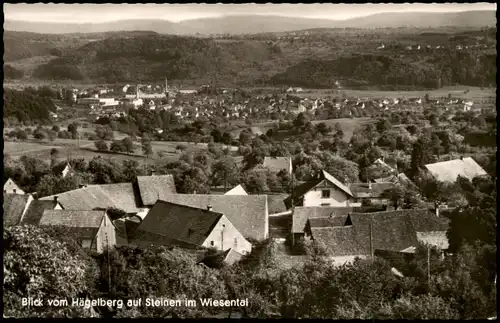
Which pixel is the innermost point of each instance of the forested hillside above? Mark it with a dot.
(432, 71)
(148, 58)
(317, 59)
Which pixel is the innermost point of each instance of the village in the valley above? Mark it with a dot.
(370, 196)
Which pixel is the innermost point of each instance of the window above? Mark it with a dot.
(212, 243)
(235, 241)
(325, 194)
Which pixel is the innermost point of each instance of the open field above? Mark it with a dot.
(474, 94)
(86, 149)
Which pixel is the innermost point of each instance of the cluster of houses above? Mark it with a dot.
(193, 104)
(324, 209)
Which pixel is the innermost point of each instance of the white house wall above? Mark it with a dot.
(337, 197)
(227, 237)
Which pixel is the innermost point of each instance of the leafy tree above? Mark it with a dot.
(383, 125)
(147, 149)
(73, 130)
(101, 145)
(37, 265)
(182, 148)
(225, 171)
(322, 128)
(117, 146)
(52, 184)
(128, 145)
(54, 155)
(255, 181)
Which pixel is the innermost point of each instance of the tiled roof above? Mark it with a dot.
(35, 211)
(177, 222)
(119, 196)
(448, 171)
(277, 163)
(329, 222)
(155, 187)
(247, 213)
(13, 207)
(227, 257)
(372, 190)
(392, 231)
(72, 218)
(336, 182)
(86, 223)
(237, 190)
(302, 214)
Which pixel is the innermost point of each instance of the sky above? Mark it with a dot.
(83, 13)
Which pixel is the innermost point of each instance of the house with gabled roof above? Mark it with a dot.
(276, 164)
(171, 224)
(220, 258)
(301, 216)
(448, 171)
(373, 192)
(362, 234)
(237, 190)
(15, 207)
(10, 187)
(134, 198)
(94, 229)
(248, 213)
(324, 190)
(36, 209)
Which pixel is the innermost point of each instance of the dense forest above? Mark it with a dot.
(308, 61)
(431, 71)
(29, 105)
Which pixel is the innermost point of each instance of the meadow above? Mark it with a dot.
(461, 92)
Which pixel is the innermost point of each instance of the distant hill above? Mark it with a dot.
(152, 57)
(247, 24)
(12, 73)
(474, 19)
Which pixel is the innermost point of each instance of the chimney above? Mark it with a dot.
(55, 199)
(209, 208)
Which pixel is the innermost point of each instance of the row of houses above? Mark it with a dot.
(155, 214)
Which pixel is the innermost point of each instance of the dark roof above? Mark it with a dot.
(152, 188)
(302, 214)
(177, 222)
(392, 231)
(217, 259)
(247, 213)
(35, 211)
(329, 222)
(373, 190)
(120, 232)
(13, 207)
(302, 189)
